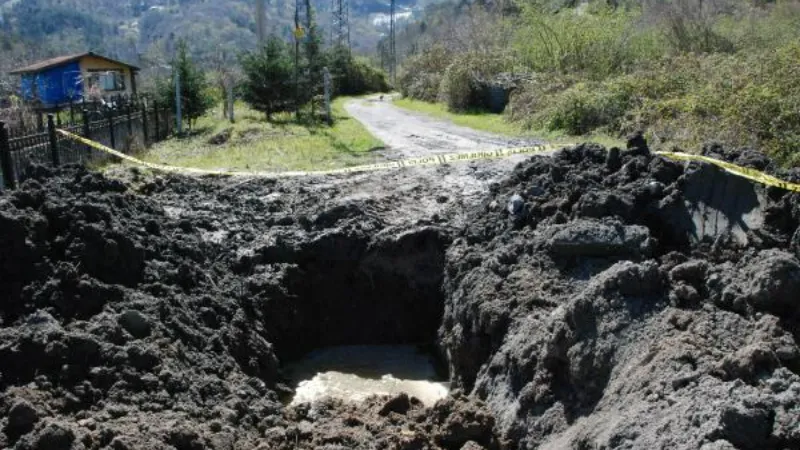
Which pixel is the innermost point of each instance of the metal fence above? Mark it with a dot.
(127, 125)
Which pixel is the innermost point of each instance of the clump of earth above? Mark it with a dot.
(589, 299)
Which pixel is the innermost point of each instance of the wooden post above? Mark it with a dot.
(230, 102)
(51, 130)
(39, 121)
(155, 115)
(5, 157)
(130, 120)
(86, 132)
(128, 144)
(112, 139)
(145, 131)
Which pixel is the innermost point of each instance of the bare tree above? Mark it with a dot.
(226, 76)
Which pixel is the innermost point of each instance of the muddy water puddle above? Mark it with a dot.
(353, 373)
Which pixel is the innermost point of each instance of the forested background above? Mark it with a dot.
(145, 32)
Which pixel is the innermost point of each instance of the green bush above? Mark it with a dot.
(422, 74)
(586, 107)
(684, 71)
(598, 42)
(741, 100)
(463, 86)
(355, 75)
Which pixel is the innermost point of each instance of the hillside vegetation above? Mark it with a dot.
(685, 72)
(145, 32)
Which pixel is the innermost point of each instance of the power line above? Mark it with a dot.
(340, 26)
(392, 54)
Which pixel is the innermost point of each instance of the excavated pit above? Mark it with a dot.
(357, 292)
(593, 299)
(343, 290)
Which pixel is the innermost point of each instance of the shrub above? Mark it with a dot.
(355, 75)
(599, 42)
(422, 73)
(457, 88)
(463, 86)
(742, 100)
(689, 25)
(586, 107)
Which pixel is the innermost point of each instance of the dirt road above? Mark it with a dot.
(409, 134)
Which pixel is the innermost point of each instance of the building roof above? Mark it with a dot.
(61, 60)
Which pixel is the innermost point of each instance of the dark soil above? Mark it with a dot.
(606, 300)
(595, 300)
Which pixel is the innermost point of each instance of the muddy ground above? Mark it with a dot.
(592, 299)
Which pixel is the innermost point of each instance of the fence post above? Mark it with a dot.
(51, 130)
(155, 116)
(5, 157)
(130, 120)
(86, 132)
(39, 121)
(128, 145)
(110, 116)
(144, 123)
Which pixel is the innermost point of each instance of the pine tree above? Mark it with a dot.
(195, 97)
(268, 78)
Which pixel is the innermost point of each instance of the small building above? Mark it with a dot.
(58, 81)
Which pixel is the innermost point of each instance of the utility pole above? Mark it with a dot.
(260, 18)
(328, 86)
(392, 54)
(178, 106)
(340, 28)
(298, 34)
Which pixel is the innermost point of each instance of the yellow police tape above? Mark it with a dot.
(744, 172)
(410, 162)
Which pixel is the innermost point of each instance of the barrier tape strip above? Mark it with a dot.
(744, 172)
(410, 162)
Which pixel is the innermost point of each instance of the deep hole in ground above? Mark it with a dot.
(351, 290)
(162, 313)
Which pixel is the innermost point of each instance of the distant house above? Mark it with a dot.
(58, 81)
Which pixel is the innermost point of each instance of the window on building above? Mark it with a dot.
(108, 80)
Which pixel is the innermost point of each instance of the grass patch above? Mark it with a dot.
(477, 120)
(283, 144)
(496, 123)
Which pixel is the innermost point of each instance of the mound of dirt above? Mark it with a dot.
(155, 313)
(619, 300)
(594, 300)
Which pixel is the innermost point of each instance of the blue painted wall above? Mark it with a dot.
(55, 85)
